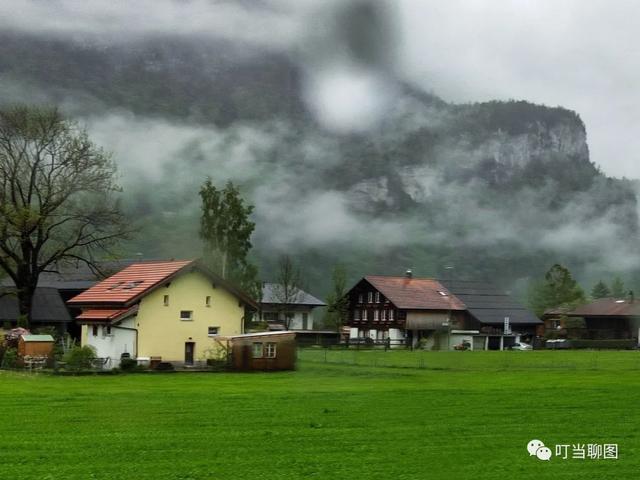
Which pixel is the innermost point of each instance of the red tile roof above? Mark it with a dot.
(130, 283)
(415, 293)
(608, 307)
(104, 314)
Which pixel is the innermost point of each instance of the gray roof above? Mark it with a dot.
(489, 304)
(75, 277)
(48, 306)
(270, 295)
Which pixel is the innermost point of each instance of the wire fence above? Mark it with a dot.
(599, 360)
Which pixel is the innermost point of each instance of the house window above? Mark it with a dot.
(391, 315)
(370, 297)
(257, 350)
(207, 301)
(186, 315)
(107, 330)
(213, 331)
(360, 298)
(94, 330)
(165, 300)
(364, 314)
(270, 350)
(377, 297)
(376, 315)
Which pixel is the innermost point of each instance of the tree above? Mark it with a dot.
(288, 289)
(226, 230)
(617, 288)
(600, 290)
(57, 198)
(557, 290)
(337, 302)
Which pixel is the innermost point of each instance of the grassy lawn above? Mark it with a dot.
(369, 415)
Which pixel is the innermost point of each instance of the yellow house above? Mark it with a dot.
(170, 310)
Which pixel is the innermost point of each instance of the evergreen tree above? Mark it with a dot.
(600, 290)
(337, 302)
(226, 229)
(558, 289)
(617, 288)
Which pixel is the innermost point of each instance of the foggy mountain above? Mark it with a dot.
(498, 190)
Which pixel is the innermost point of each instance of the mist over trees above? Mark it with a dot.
(498, 189)
(58, 198)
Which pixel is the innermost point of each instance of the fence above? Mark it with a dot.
(623, 360)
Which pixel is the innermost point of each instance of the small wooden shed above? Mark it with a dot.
(35, 345)
(263, 351)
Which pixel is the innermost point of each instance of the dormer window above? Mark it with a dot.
(116, 285)
(444, 294)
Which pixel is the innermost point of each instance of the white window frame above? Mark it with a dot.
(213, 334)
(377, 296)
(369, 297)
(391, 314)
(254, 350)
(183, 319)
(376, 315)
(360, 298)
(270, 350)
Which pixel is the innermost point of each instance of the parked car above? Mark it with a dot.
(557, 343)
(520, 346)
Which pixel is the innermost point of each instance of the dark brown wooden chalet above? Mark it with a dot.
(401, 309)
(423, 311)
(610, 318)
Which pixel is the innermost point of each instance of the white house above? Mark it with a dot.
(299, 311)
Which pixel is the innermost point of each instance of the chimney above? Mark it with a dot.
(408, 273)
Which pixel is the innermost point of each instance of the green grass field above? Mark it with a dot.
(363, 415)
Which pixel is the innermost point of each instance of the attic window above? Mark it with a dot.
(444, 294)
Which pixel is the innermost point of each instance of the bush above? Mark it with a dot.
(165, 367)
(604, 344)
(80, 358)
(10, 358)
(128, 364)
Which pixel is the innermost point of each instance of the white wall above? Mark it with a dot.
(114, 345)
(297, 320)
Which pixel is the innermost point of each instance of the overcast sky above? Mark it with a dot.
(580, 54)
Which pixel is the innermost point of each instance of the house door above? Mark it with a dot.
(189, 348)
